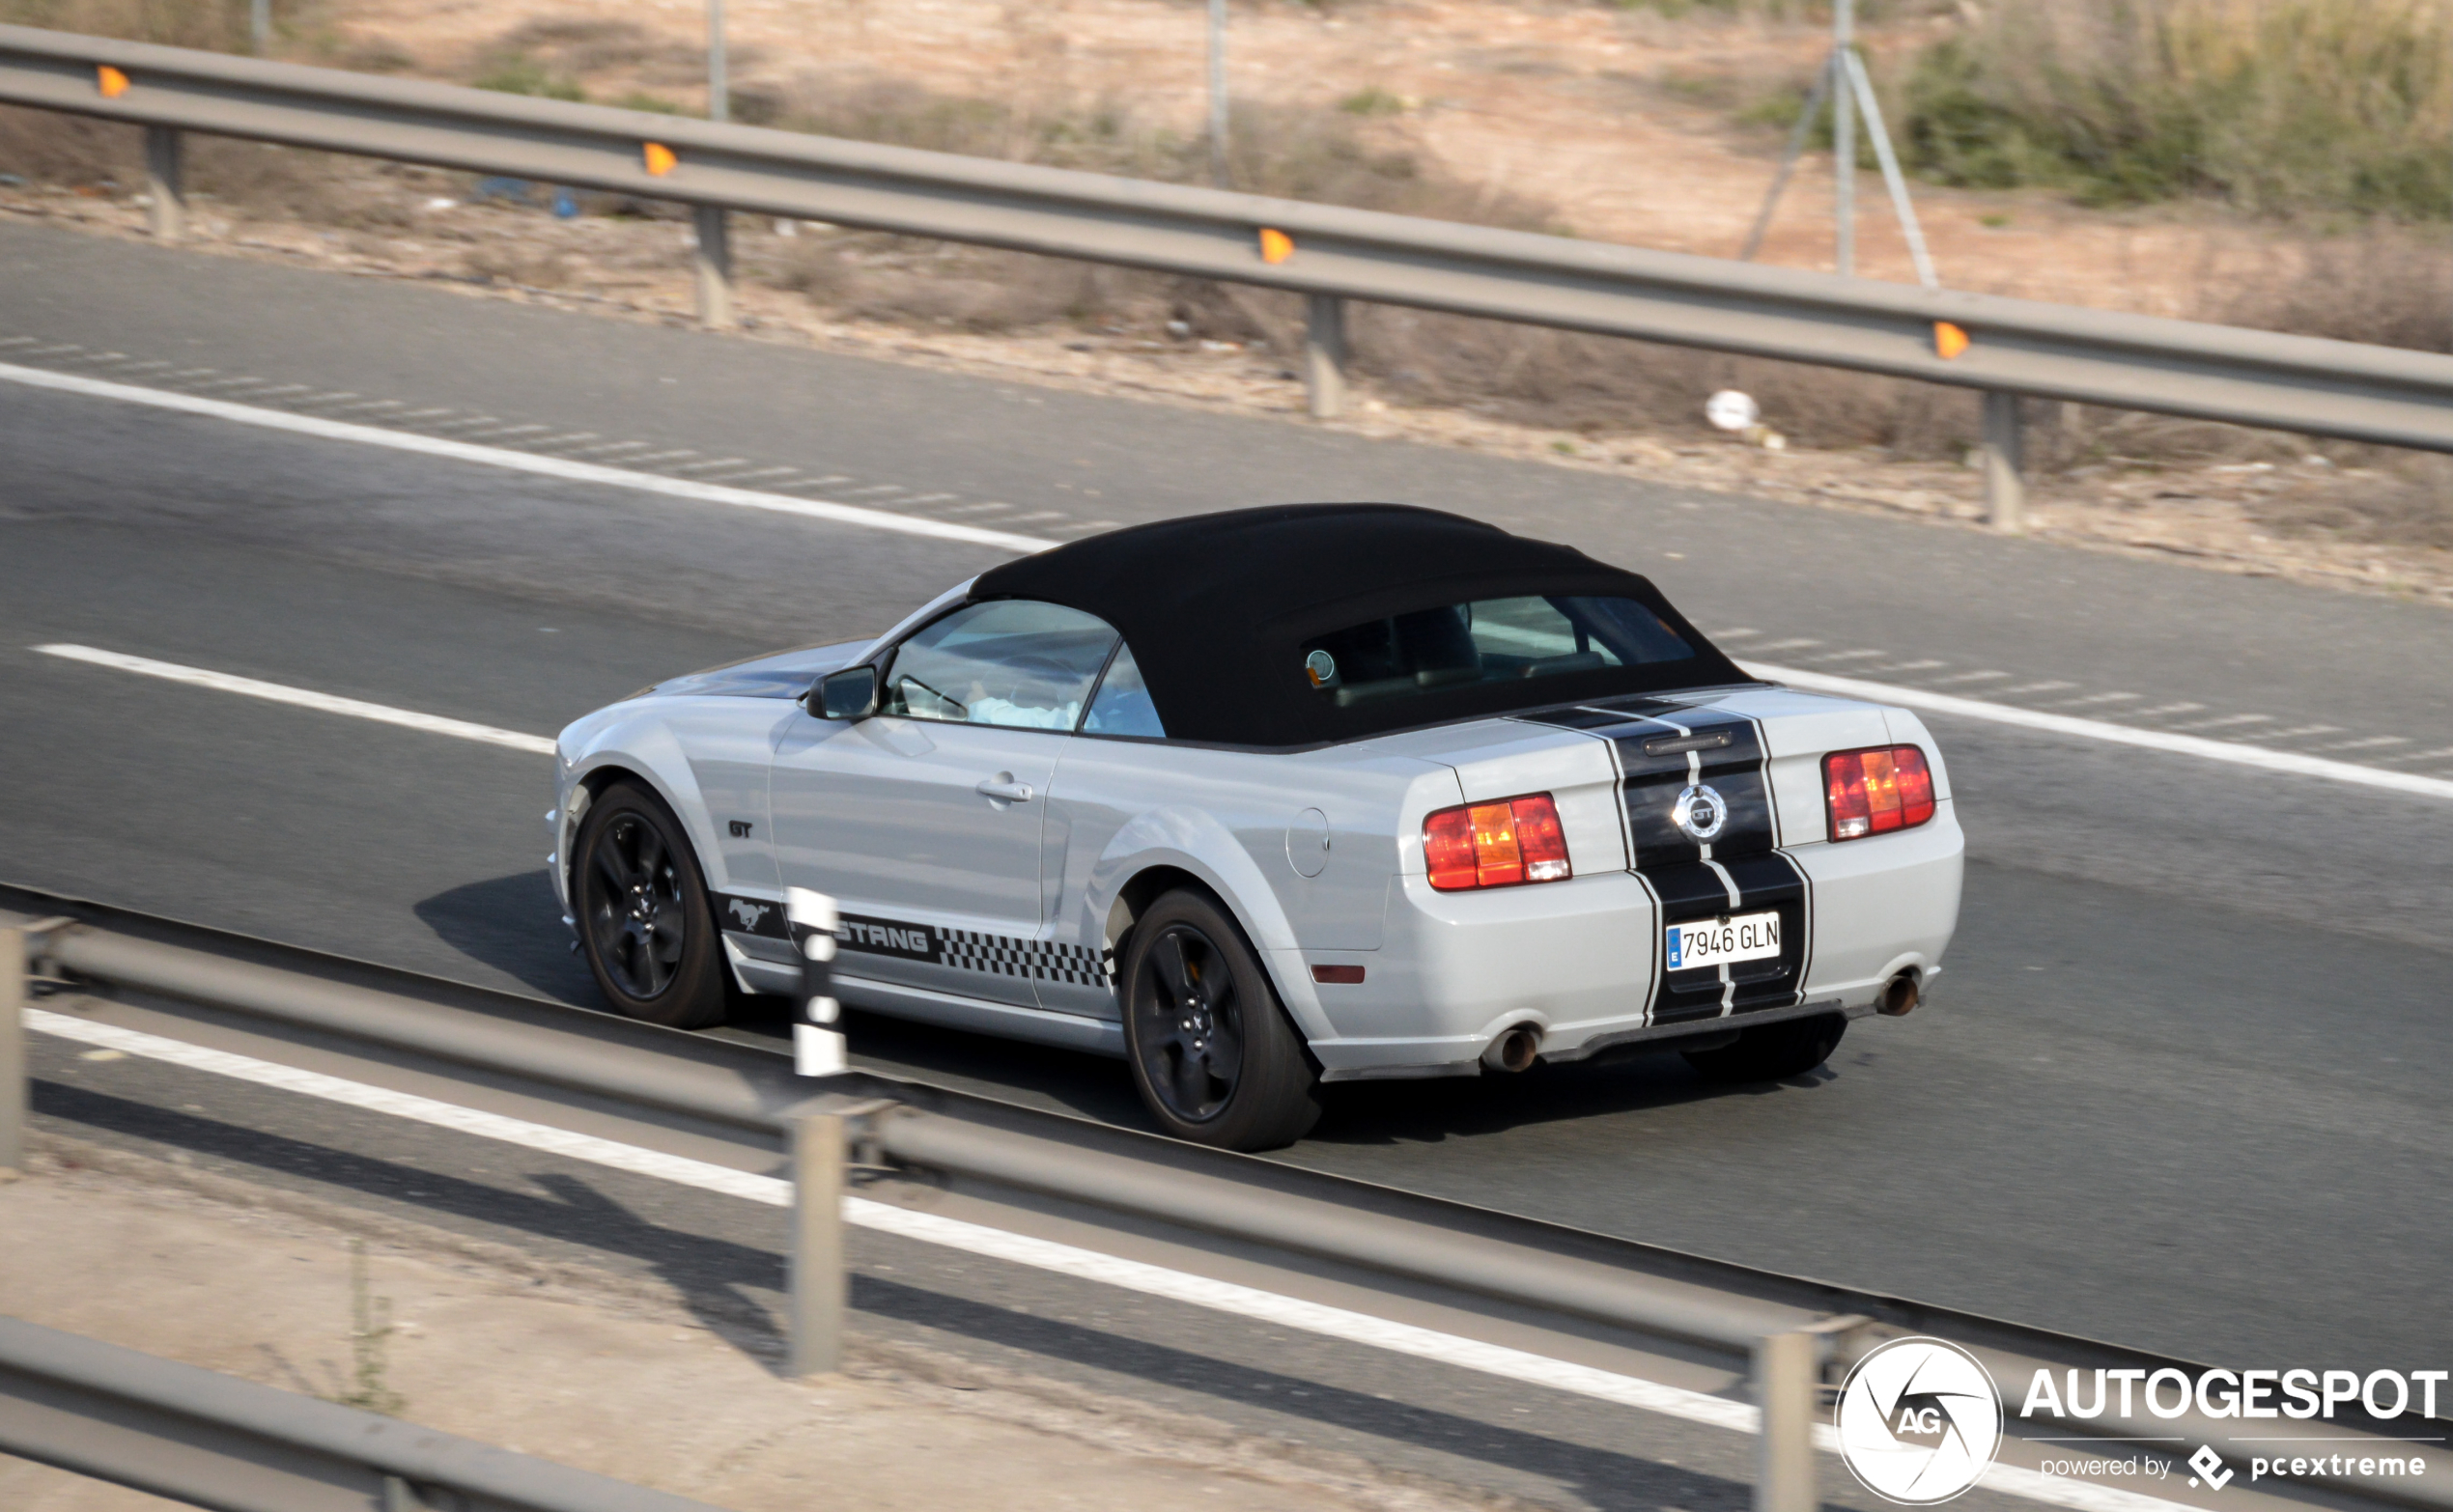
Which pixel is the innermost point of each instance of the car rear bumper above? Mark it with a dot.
(1575, 960)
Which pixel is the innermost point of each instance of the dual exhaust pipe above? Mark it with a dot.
(1517, 1048)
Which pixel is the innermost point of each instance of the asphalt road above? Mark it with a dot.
(2180, 1086)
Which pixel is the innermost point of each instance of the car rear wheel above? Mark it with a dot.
(644, 925)
(1213, 1053)
(1772, 1050)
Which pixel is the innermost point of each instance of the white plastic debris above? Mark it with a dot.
(1732, 411)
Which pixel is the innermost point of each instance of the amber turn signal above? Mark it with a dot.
(1496, 845)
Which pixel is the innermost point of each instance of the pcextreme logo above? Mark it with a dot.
(1919, 1421)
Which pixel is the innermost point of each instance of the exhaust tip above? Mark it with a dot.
(1900, 996)
(1514, 1051)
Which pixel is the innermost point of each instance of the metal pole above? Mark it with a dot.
(13, 1090)
(712, 260)
(1844, 142)
(1789, 158)
(818, 1285)
(1892, 178)
(1786, 1394)
(164, 182)
(260, 25)
(1218, 93)
(2005, 483)
(1324, 354)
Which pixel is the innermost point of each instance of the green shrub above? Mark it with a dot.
(2276, 106)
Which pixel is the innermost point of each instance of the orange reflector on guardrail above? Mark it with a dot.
(1276, 246)
(660, 158)
(1949, 341)
(110, 81)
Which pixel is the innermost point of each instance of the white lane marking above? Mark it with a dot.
(301, 697)
(521, 462)
(1089, 1265)
(2166, 740)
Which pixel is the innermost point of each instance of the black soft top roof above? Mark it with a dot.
(1216, 607)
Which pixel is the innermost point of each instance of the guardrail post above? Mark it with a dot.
(2003, 458)
(1324, 355)
(817, 1284)
(164, 182)
(12, 1086)
(712, 258)
(1785, 1393)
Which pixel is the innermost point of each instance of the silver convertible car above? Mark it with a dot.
(1269, 798)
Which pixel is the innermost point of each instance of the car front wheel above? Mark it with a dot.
(1213, 1053)
(1771, 1051)
(644, 924)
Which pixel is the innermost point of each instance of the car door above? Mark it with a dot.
(924, 820)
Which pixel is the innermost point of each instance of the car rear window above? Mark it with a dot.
(1487, 640)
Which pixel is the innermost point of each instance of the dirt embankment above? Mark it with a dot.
(1609, 122)
(629, 1379)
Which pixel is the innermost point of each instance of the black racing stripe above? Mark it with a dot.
(1768, 881)
(1654, 779)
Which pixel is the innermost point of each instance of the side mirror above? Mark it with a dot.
(848, 694)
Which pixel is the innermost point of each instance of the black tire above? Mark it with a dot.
(1214, 1056)
(1773, 1050)
(641, 903)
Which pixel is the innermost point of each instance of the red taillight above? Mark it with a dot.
(1496, 845)
(1875, 791)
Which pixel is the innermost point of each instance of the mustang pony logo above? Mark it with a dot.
(747, 913)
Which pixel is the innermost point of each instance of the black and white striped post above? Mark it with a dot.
(818, 1288)
(817, 1045)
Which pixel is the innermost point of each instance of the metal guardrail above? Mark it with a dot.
(2014, 348)
(1789, 1329)
(215, 1440)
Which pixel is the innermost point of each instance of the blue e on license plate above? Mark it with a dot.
(1724, 941)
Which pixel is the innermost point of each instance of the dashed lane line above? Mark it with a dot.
(522, 462)
(1089, 1265)
(2170, 742)
(303, 698)
(629, 474)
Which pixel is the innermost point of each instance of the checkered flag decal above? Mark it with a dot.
(1039, 960)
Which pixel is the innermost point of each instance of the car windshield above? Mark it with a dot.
(1011, 662)
(1488, 640)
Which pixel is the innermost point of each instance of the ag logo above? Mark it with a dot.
(1700, 812)
(1919, 1421)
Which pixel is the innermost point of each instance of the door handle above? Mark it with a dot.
(1005, 788)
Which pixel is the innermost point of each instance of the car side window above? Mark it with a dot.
(1012, 662)
(1123, 704)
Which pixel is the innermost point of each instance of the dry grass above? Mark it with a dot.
(219, 25)
(2276, 106)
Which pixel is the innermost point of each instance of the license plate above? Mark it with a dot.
(1725, 941)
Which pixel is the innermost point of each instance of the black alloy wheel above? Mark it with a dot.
(1213, 1054)
(1191, 1024)
(643, 911)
